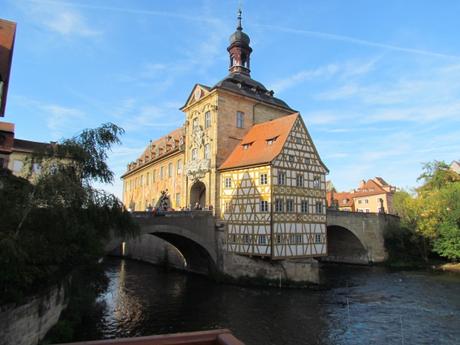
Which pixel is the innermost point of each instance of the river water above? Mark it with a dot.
(358, 305)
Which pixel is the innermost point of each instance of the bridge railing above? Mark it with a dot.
(191, 214)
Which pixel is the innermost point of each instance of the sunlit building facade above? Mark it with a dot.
(247, 156)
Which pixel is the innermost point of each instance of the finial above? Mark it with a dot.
(239, 27)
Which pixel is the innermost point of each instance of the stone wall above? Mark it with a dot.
(280, 273)
(28, 323)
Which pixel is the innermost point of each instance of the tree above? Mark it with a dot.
(59, 221)
(434, 211)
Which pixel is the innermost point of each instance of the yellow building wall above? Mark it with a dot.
(223, 135)
(143, 186)
(248, 225)
(371, 203)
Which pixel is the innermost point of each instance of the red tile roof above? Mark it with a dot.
(158, 149)
(340, 198)
(254, 149)
(7, 34)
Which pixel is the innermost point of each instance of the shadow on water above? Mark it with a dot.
(361, 305)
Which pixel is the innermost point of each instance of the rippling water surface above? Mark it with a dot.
(359, 305)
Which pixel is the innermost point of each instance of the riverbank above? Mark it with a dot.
(450, 267)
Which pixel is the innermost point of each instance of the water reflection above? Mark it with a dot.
(359, 305)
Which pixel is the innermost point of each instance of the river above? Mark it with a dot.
(357, 305)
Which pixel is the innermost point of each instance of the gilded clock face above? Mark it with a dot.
(197, 94)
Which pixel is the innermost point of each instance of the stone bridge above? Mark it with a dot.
(192, 233)
(199, 240)
(357, 237)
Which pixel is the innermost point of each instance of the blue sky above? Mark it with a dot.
(377, 82)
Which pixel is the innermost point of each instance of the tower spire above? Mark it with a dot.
(239, 27)
(239, 49)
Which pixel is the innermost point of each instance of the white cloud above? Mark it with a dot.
(299, 77)
(358, 41)
(68, 23)
(60, 120)
(57, 17)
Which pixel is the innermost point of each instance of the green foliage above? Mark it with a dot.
(434, 211)
(447, 243)
(59, 221)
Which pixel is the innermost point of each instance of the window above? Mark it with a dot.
(318, 238)
(239, 119)
(299, 180)
(246, 239)
(298, 238)
(317, 182)
(170, 169)
(367, 210)
(307, 160)
(194, 154)
(17, 165)
(291, 158)
(359, 201)
(289, 205)
(281, 177)
(262, 239)
(207, 119)
(142, 180)
(319, 207)
(179, 167)
(298, 140)
(263, 179)
(246, 146)
(291, 238)
(278, 239)
(226, 206)
(207, 151)
(36, 168)
(279, 205)
(228, 182)
(366, 201)
(177, 199)
(147, 178)
(304, 206)
(263, 206)
(153, 175)
(161, 173)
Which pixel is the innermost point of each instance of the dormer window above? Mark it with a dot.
(271, 140)
(246, 146)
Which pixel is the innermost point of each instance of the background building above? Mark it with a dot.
(246, 155)
(374, 195)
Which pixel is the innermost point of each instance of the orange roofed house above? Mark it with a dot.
(374, 195)
(246, 155)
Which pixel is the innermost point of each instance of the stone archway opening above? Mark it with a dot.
(196, 258)
(343, 246)
(198, 194)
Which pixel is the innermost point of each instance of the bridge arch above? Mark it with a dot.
(344, 246)
(198, 255)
